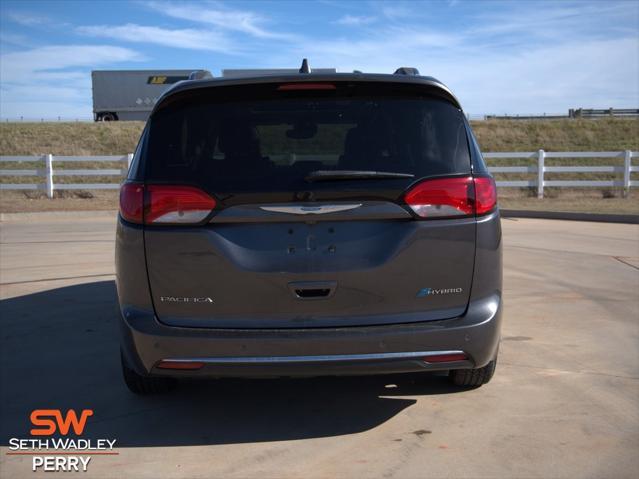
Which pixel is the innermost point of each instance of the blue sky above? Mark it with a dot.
(497, 56)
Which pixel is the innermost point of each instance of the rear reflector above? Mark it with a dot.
(306, 86)
(446, 197)
(164, 204)
(184, 365)
(445, 358)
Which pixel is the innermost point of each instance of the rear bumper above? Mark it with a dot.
(357, 350)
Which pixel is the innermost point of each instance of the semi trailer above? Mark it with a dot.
(131, 94)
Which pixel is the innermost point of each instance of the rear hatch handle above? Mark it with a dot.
(310, 290)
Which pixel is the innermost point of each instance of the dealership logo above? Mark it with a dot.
(422, 293)
(51, 419)
(60, 454)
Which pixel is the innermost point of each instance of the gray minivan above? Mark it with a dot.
(308, 225)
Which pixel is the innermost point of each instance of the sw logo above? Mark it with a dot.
(51, 420)
(60, 453)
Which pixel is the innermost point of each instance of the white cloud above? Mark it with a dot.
(382, 53)
(549, 78)
(45, 108)
(243, 21)
(24, 65)
(14, 40)
(512, 57)
(27, 19)
(541, 77)
(398, 11)
(178, 38)
(563, 21)
(355, 20)
(54, 80)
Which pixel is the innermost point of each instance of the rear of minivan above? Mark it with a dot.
(308, 225)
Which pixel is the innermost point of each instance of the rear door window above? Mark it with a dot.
(272, 144)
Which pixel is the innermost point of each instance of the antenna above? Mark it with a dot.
(305, 68)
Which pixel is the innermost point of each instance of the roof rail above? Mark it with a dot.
(200, 75)
(407, 71)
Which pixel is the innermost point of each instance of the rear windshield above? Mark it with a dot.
(274, 143)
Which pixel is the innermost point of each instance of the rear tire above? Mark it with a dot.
(473, 378)
(108, 117)
(144, 385)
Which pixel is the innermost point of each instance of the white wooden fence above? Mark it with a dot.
(624, 172)
(48, 172)
(540, 169)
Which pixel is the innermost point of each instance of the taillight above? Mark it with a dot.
(485, 195)
(446, 197)
(176, 204)
(442, 197)
(164, 204)
(132, 202)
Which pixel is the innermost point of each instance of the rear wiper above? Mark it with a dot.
(329, 175)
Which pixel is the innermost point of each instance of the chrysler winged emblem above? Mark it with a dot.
(310, 210)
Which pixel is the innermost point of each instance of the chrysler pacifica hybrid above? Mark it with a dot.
(308, 225)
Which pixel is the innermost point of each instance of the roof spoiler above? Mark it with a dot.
(200, 75)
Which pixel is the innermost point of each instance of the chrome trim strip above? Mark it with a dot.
(311, 209)
(311, 359)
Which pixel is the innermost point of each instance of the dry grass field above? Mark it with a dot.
(120, 138)
(558, 135)
(72, 139)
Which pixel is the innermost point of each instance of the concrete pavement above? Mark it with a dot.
(564, 401)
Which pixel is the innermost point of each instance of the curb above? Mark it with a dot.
(563, 215)
(57, 215)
